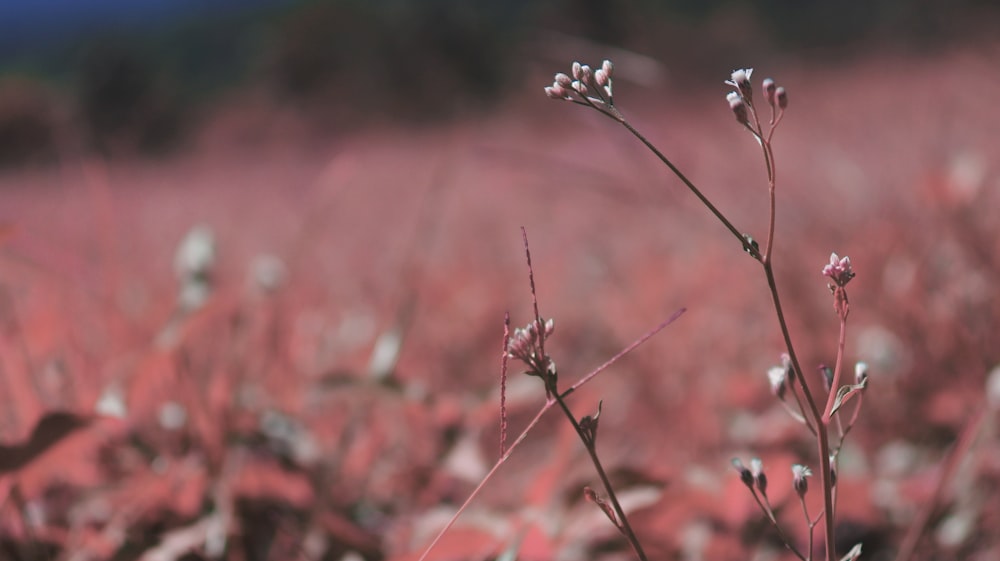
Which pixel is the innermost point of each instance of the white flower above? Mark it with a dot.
(777, 376)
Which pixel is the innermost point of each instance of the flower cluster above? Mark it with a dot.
(839, 270)
(753, 477)
(526, 345)
(586, 85)
(741, 99)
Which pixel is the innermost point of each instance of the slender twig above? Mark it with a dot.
(765, 506)
(822, 438)
(623, 524)
(841, 342)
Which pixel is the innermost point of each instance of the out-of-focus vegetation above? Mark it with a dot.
(144, 88)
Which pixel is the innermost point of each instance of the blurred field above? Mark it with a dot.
(259, 424)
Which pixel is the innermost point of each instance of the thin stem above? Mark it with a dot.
(822, 438)
(614, 114)
(841, 342)
(771, 184)
(765, 506)
(809, 522)
(624, 527)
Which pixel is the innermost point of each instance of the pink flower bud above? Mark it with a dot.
(738, 107)
(607, 67)
(782, 97)
(586, 73)
(564, 80)
(579, 87)
(769, 89)
(577, 70)
(839, 269)
(601, 78)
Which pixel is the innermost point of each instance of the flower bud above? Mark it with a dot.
(564, 80)
(757, 469)
(555, 92)
(600, 77)
(746, 476)
(782, 97)
(777, 375)
(607, 67)
(799, 481)
(860, 372)
(827, 373)
(586, 73)
(769, 89)
(738, 107)
(577, 70)
(580, 87)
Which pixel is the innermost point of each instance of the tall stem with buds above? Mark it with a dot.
(594, 90)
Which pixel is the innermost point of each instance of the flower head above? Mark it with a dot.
(799, 481)
(839, 269)
(740, 79)
(525, 345)
(584, 85)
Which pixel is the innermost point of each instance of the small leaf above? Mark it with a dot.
(853, 554)
(845, 393)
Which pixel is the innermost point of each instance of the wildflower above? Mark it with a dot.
(799, 481)
(525, 345)
(740, 79)
(839, 269)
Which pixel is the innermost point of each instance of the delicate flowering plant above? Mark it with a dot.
(588, 88)
(593, 89)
